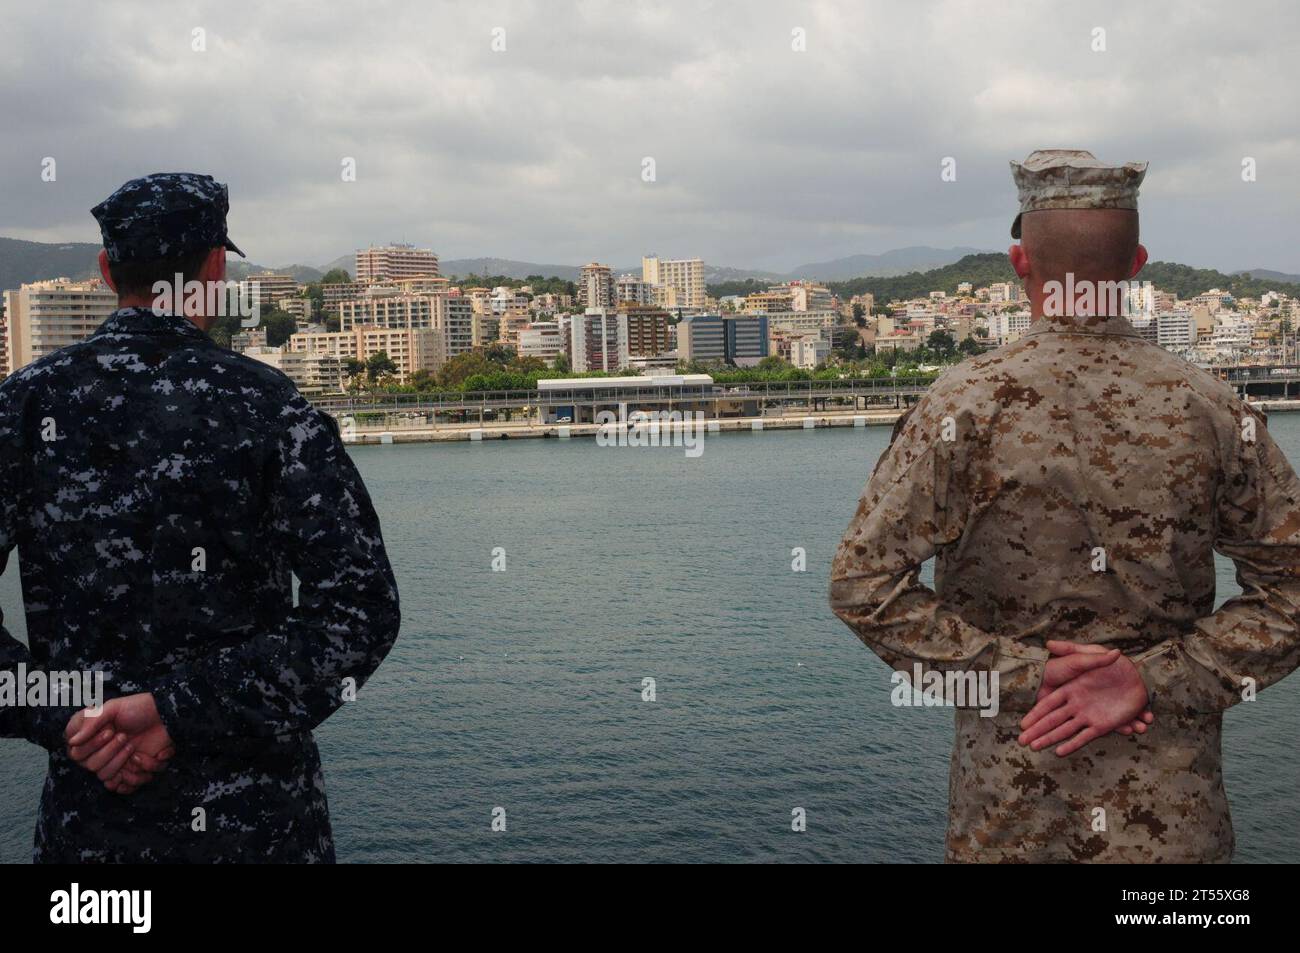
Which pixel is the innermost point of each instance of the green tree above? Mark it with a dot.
(225, 328)
(379, 364)
(279, 325)
(941, 342)
(499, 353)
(422, 381)
(527, 365)
(316, 295)
(455, 372)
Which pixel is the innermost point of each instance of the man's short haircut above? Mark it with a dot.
(137, 278)
(1096, 244)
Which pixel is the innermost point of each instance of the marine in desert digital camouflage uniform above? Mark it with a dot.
(1077, 441)
(162, 492)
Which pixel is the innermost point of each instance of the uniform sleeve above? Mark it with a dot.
(288, 681)
(913, 505)
(1255, 636)
(42, 724)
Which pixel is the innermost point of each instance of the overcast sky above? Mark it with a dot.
(765, 157)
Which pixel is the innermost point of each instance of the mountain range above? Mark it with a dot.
(24, 261)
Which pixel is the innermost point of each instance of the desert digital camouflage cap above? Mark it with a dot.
(164, 215)
(1073, 178)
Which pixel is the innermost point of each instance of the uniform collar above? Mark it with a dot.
(149, 321)
(1082, 325)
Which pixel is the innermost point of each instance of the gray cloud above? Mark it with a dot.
(765, 157)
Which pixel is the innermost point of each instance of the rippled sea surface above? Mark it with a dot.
(523, 689)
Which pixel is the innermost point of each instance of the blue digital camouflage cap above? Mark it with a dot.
(164, 215)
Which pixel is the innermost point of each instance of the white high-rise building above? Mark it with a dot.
(1176, 330)
(680, 281)
(542, 339)
(634, 289)
(452, 316)
(312, 371)
(44, 316)
(594, 340)
(389, 311)
(596, 286)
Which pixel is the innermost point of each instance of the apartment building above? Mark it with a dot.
(646, 336)
(680, 281)
(1146, 327)
(423, 285)
(513, 313)
(44, 316)
(1214, 299)
(332, 294)
(772, 301)
(452, 316)
(456, 320)
(510, 323)
(241, 341)
(1003, 292)
(596, 286)
(809, 351)
(300, 308)
(593, 341)
(389, 311)
(543, 339)
(486, 328)
(807, 296)
(1176, 330)
(630, 288)
(481, 298)
(549, 303)
(265, 288)
(897, 340)
(411, 349)
(312, 372)
(802, 322)
(393, 262)
(1009, 325)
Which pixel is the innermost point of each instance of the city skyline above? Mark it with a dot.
(534, 153)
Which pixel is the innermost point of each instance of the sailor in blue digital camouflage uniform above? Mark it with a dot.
(162, 491)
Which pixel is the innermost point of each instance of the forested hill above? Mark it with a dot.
(985, 269)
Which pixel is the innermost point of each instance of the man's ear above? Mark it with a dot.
(103, 269)
(214, 266)
(1139, 260)
(1019, 260)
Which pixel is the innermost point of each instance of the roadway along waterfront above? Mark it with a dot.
(571, 409)
(418, 433)
(401, 430)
